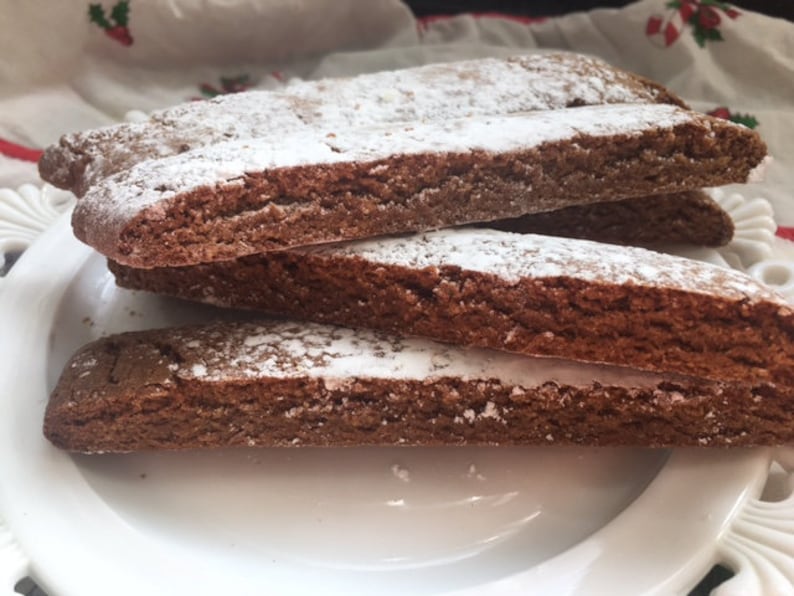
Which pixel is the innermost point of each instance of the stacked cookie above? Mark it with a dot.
(380, 214)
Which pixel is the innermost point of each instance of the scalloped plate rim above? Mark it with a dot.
(736, 476)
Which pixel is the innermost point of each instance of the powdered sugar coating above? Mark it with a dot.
(430, 92)
(339, 355)
(116, 200)
(512, 257)
(442, 91)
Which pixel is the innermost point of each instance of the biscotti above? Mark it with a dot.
(246, 197)
(433, 92)
(531, 294)
(287, 384)
(687, 218)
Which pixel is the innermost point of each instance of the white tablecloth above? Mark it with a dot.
(62, 71)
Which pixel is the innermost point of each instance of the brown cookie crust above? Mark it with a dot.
(520, 83)
(277, 208)
(136, 392)
(687, 218)
(687, 322)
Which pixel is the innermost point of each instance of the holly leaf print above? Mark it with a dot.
(715, 3)
(745, 119)
(96, 14)
(714, 35)
(120, 13)
(704, 35)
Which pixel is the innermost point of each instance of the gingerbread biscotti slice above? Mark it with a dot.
(288, 384)
(536, 295)
(688, 217)
(433, 92)
(246, 197)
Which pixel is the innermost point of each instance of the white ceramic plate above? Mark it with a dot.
(344, 521)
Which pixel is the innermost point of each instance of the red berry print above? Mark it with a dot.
(687, 9)
(703, 16)
(747, 120)
(723, 113)
(708, 17)
(120, 34)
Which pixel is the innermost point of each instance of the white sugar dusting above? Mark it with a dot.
(198, 370)
(758, 173)
(145, 185)
(344, 355)
(513, 257)
(431, 92)
(489, 411)
(401, 473)
(84, 361)
(474, 473)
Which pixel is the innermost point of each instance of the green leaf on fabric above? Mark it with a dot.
(745, 119)
(715, 3)
(714, 35)
(120, 13)
(96, 14)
